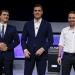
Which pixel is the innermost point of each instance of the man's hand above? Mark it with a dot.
(27, 54)
(3, 47)
(40, 51)
(59, 60)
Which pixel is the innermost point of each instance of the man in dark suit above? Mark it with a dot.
(9, 39)
(34, 42)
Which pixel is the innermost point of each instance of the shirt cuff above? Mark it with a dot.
(43, 48)
(61, 44)
(25, 50)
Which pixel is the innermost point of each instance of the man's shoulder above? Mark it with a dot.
(28, 22)
(66, 28)
(11, 26)
(46, 23)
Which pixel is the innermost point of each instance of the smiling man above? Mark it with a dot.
(8, 33)
(36, 48)
(67, 41)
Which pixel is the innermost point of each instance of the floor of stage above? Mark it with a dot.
(19, 72)
(19, 69)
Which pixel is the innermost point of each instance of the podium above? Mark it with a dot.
(52, 59)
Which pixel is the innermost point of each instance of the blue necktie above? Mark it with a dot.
(3, 31)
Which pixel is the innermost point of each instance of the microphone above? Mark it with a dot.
(73, 32)
(36, 27)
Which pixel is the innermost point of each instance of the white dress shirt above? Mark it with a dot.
(67, 39)
(5, 25)
(36, 26)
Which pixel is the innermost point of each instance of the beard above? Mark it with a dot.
(72, 24)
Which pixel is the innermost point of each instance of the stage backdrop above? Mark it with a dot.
(56, 28)
(19, 52)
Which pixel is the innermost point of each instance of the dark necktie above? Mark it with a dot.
(3, 31)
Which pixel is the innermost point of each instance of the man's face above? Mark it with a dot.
(71, 19)
(4, 16)
(38, 12)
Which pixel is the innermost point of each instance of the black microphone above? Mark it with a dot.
(36, 27)
(73, 32)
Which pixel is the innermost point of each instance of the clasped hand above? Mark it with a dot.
(3, 47)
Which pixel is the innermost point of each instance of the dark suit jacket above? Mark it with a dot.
(44, 33)
(11, 39)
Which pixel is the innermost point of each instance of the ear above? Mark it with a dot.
(0, 18)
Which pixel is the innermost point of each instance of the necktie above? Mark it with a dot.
(3, 31)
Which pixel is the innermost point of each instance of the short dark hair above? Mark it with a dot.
(38, 5)
(3, 11)
(71, 12)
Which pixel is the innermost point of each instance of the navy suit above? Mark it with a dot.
(35, 43)
(11, 39)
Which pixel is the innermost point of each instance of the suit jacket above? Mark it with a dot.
(43, 39)
(11, 39)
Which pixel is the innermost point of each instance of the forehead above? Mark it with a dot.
(71, 15)
(37, 8)
(5, 13)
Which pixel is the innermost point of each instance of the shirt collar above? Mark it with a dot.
(3, 24)
(69, 28)
(38, 21)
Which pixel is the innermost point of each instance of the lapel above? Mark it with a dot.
(7, 30)
(32, 28)
(0, 34)
(40, 28)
